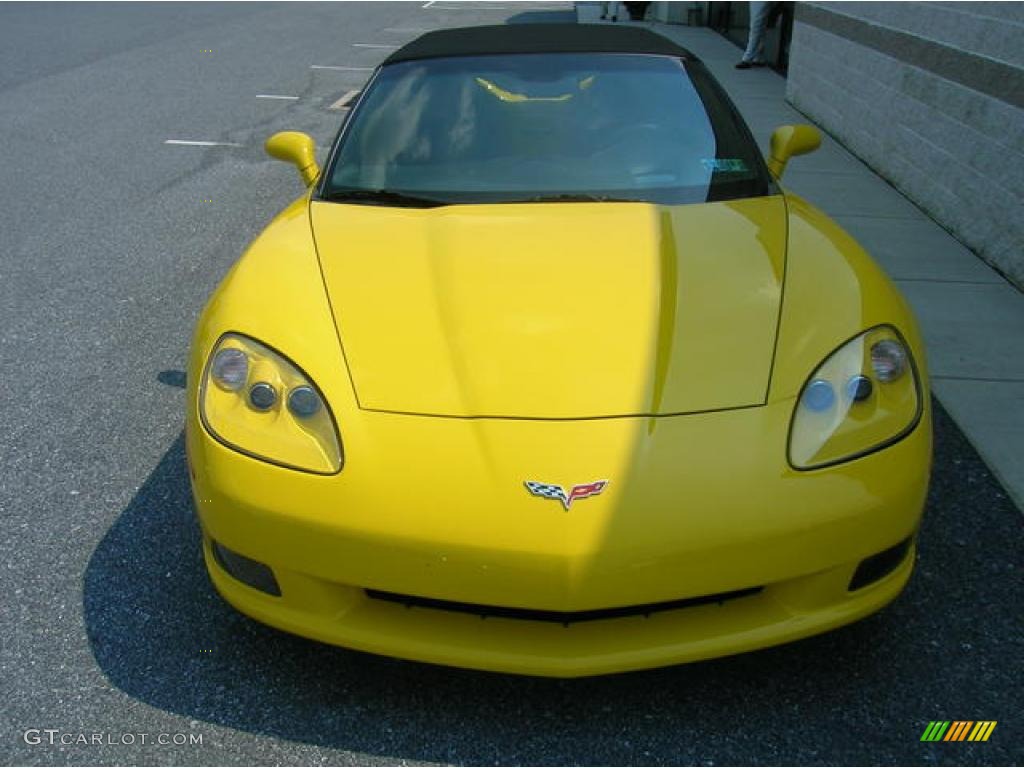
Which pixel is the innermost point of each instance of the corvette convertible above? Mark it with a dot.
(546, 373)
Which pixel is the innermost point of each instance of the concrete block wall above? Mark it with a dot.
(930, 96)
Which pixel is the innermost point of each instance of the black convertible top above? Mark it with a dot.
(537, 38)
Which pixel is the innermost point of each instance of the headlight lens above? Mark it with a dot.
(254, 400)
(304, 402)
(888, 359)
(865, 395)
(230, 368)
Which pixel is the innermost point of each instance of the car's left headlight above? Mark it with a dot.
(259, 403)
(864, 396)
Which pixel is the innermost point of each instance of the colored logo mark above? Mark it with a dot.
(548, 491)
(959, 730)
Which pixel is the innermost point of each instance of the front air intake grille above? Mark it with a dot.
(876, 567)
(558, 617)
(246, 570)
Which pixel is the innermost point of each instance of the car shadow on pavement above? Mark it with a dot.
(948, 648)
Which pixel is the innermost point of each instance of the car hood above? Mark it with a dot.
(557, 311)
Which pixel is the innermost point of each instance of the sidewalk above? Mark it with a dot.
(972, 319)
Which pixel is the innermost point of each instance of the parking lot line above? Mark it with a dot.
(342, 69)
(190, 143)
(492, 5)
(465, 5)
(275, 96)
(344, 101)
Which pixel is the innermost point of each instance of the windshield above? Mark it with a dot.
(544, 127)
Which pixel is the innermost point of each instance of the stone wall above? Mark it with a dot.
(931, 96)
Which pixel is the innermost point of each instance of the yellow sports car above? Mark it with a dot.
(546, 374)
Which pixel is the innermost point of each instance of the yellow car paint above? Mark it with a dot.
(516, 98)
(788, 141)
(345, 616)
(700, 502)
(575, 310)
(298, 149)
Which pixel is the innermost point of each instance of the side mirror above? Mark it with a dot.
(295, 148)
(789, 141)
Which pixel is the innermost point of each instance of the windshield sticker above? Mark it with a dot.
(723, 165)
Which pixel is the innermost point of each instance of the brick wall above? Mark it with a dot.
(931, 96)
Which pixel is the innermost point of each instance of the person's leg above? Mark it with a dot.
(755, 39)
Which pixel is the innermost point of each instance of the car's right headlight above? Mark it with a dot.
(257, 402)
(864, 396)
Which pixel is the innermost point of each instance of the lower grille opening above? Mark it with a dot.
(873, 568)
(557, 617)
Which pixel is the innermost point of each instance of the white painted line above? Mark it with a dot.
(185, 143)
(273, 96)
(427, 5)
(342, 69)
(487, 5)
(343, 102)
(373, 45)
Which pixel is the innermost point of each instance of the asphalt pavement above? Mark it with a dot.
(110, 242)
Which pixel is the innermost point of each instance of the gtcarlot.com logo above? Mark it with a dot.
(55, 737)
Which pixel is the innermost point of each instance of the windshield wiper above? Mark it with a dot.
(575, 198)
(403, 199)
(382, 197)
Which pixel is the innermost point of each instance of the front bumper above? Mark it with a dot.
(438, 511)
(346, 616)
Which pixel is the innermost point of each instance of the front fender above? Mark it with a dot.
(833, 291)
(275, 293)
